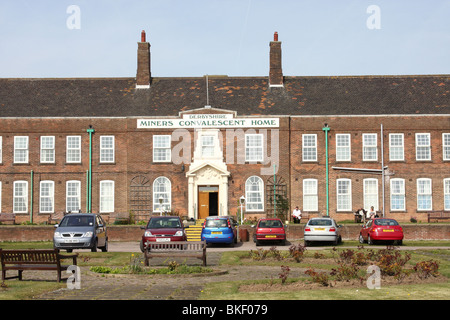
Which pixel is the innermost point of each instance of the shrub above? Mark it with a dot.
(297, 252)
(284, 273)
(426, 269)
(346, 272)
(318, 277)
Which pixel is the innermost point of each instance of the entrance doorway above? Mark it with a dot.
(208, 201)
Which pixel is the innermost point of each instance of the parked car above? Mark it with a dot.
(322, 229)
(269, 229)
(381, 229)
(163, 229)
(81, 231)
(219, 229)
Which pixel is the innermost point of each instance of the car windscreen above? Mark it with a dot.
(270, 224)
(320, 222)
(386, 222)
(158, 223)
(216, 223)
(77, 221)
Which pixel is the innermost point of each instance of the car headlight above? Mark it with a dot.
(57, 235)
(179, 233)
(88, 234)
(147, 234)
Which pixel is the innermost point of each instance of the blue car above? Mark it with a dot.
(219, 229)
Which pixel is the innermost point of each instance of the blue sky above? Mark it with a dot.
(198, 37)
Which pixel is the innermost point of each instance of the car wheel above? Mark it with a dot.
(361, 239)
(69, 250)
(283, 242)
(399, 242)
(105, 248)
(369, 240)
(141, 246)
(94, 247)
(307, 243)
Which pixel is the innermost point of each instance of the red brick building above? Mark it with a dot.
(195, 146)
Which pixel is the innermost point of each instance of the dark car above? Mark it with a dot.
(219, 229)
(381, 229)
(269, 229)
(81, 231)
(163, 229)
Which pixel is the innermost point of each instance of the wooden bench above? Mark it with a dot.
(196, 249)
(11, 217)
(39, 259)
(438, 215)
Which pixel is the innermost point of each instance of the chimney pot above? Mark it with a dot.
(275, 36)
(143, 36)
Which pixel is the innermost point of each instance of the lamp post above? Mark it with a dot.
(242, 201)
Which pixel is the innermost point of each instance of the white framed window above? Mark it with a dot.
(310, 195)
(343, 147)
(73, 196)
(0, 196)
(73, 149)
(423, 146)
(447, 194)
(370, 189)
(344, 194)
(47, 149)
(424, 194)
(254, 194)
(397, 194)
(370, 152)
(20, 197)
(309, 147)
(47, 197)
(396, 147)
(107, 149)
(207, 146)
(446, 146)
(161, 148)
(106, 196)
(162, 190)
(254, 147)
(21, 149)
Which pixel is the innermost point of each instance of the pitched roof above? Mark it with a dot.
(117, 97)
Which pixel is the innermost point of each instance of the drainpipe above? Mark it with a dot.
(87, 191)
(89, 200)
(326, 129)
(31, 198)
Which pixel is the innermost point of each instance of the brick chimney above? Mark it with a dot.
(143, 75)
(275, 73)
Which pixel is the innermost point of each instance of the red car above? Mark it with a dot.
(381, 229)
(163, 229)
(269, 229)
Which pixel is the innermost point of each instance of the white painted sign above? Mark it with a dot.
(192, 123)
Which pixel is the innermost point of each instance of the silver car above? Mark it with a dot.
(81, 231)
(322, 229)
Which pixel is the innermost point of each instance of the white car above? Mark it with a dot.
(322, 229)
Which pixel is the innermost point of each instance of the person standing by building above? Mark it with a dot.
(372, 213)
(297, 215)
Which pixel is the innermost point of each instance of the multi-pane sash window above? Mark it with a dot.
(447, 194)
(445, 146)
(310, 196)
(423, 146)
(161, 148)
(20, 197)
(20, 149)
(47, 197)
(106, 196)
(370, 194)
(309, 147)
(73, 196)
(1, 149)
(254, 197)
(344, 195)
(48, 149)
(370, 147)
(343, 151)
(73, 149)
(397, 194)
(162, 190)
(107, 149)
(207, 146)
(424, 195)
(253, 147)
(396, 147)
